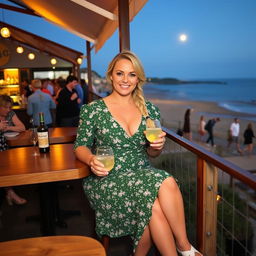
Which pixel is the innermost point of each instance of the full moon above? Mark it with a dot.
(183, 37)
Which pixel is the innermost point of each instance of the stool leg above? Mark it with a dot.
(105, 242)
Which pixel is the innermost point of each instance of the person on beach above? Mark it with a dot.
(186, 127)
(234, 135)
(248, 137)
(209, 128)
(134, 198)
(201, 130)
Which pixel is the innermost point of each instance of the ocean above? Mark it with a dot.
(237, 95)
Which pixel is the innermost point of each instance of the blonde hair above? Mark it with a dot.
(137, 94)
(36, 83)
(5, 100)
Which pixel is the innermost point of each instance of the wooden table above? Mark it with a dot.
(19, 167)
(57, 135)
(53, 246)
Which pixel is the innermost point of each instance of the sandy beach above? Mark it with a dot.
(172, 113)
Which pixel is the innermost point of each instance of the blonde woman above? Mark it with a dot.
(133, 198)
(9, 122)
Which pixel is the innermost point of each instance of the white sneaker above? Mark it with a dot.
(191, 252)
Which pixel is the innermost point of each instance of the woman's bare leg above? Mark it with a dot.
(171, 203)
(161, 232)
(158, 230)
(144, 244)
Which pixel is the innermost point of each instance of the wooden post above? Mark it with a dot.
(200, 200)
(124, 25)
(207, 208)
(89, 70)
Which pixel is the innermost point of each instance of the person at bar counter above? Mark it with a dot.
(67, 113)
(26, 88)
(40, 102)
(9, 122)
(134, 198)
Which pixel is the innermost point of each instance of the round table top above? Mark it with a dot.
(52, 246)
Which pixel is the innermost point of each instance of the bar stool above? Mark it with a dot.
(52, 246)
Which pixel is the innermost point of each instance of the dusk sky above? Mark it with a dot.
(221, 38)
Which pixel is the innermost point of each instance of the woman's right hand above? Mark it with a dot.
(97, 167)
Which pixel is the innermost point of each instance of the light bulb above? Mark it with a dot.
(79, 60)
(53, 61)
(31, 56)
(19, 49)
(5, 32)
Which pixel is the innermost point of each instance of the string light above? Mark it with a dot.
(31, 56)
(5, 32)
(79, 60)
(53, 61)
(20, 49)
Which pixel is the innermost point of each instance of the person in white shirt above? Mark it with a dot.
(234, 132)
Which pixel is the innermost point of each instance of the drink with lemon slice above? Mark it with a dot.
(153, 129)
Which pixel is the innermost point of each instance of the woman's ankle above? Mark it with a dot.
(183, 245)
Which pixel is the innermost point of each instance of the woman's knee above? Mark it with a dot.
(169, 184)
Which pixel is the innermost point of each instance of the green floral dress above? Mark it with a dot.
(122, 200)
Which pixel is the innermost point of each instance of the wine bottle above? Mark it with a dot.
(43, 135)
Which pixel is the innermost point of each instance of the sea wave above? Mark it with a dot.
(240, 107)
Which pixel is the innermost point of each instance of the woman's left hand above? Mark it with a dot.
(159, 143)
(3, 125)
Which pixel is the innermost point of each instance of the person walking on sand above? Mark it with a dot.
(248, 136)
(234, 132)
(201, 129)
(187, 127)
(209, 128)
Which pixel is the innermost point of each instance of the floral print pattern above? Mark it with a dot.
(122, 200)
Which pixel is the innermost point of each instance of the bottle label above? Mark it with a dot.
(43, 141)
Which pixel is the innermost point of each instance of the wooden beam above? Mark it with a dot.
(87, 38)
(17, 9)
(96, 9)
(89, 70)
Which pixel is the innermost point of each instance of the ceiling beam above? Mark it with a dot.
(17, 9)
(73, 31)
(96, 9)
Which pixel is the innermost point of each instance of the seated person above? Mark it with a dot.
(9, 122)
(134, 198)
